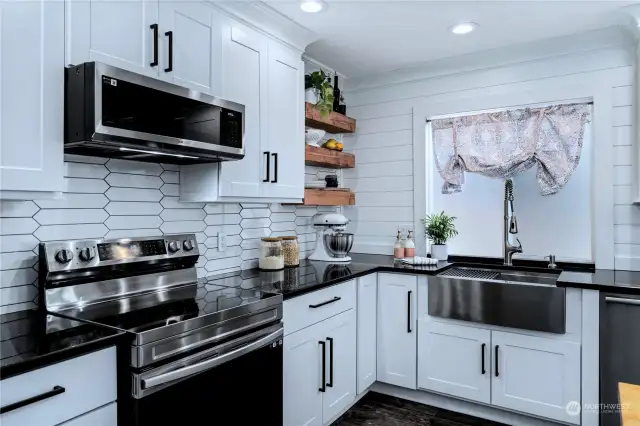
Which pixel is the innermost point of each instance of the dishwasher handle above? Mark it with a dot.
(210, 362)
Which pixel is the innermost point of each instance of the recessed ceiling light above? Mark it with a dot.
(464, 28)
(312, 6)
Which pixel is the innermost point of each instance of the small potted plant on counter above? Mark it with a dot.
(319, 91)
(439, 228)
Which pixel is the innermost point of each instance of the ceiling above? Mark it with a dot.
(359, 38)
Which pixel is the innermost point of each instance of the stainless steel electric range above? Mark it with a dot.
(197, 350)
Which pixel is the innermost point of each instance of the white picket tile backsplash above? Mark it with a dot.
(110, 198)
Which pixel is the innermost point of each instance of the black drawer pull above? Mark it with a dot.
(335, 299)
(57, 390)
(324, 367)
(268, 167)
(482, 368)
(275, 167)
(409, 312)
(497, 362)
(169, 34)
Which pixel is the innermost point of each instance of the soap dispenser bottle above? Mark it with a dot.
(398, 248)
(409, 246)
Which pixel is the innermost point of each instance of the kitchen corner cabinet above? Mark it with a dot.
(367, 329)
(320, 371)
(176, 41)
(397, 331)
(31, 96)
(455, 360)
(535, 375)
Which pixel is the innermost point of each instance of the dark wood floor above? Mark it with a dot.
(381, 410)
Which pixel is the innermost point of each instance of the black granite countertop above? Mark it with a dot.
(33, 339)
(313, 275)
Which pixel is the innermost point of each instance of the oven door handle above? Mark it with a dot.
(209, 363)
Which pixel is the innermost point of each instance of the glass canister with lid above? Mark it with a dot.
(271, 255)
(291, 251)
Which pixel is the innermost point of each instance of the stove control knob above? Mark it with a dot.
(174, 246)
(187, 245)
(64, 256)
(87, 254)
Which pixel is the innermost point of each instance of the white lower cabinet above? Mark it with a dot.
(320, 371)
(455, 360)
(103, 416)
(367, 328)
(396, 335)
(535, 375)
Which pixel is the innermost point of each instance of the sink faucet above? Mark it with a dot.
(510, 225)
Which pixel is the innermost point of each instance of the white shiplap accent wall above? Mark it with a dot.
(384, 139)
(110, 198)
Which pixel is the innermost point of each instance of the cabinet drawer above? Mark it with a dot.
(103, 416)
(311, 308)
(89, 382)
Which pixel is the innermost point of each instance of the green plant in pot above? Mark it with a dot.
(318, 82)
(439, 228)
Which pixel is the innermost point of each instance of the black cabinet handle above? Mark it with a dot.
(154, 27)
(267, 153)
(335, 299)
(482, 368)
(170, 67)
(57, 390)
(330, 384)
(497, 363)
(324, 367)
(409, 311)
(275, 167)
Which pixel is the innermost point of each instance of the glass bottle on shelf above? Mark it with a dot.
(398, 248)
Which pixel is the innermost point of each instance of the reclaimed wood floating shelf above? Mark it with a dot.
(329, 197)
(333, 122)
(323, 157)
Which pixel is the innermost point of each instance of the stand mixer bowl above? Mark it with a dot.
(338, 244)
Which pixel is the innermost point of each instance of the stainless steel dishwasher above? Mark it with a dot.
(619, 351)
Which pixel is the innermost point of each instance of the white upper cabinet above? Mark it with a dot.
(340, 338)
(190, 44)
(455, 360)
(396, 340)
(535, 375)
(31, 96)
(118, 33)
(367, 320)
(285, 123)
(245, 81)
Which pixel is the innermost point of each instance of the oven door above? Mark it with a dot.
(238, 382)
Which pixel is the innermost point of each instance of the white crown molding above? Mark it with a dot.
(261, 17)
(559, 46)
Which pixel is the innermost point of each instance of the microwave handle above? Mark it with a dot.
(211, 362)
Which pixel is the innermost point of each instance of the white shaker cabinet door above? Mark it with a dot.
(397, 341)
(31, 96)
(303, 381)
(245, 81)
(190, 43)
(535, 375)
(285, 123)
(118, 33)
(367, 320)
(455, 360)
(340, 338)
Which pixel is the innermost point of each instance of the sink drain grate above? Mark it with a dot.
(470, 273)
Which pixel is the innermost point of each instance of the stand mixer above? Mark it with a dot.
(332, 245)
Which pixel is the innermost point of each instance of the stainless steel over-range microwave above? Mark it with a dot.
(110, 112)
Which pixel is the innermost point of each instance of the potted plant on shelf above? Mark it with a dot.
(319, 91)
(439, 228)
